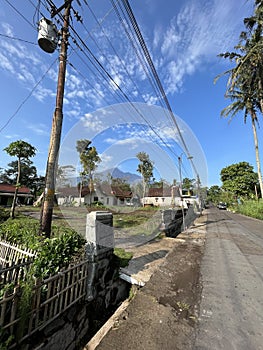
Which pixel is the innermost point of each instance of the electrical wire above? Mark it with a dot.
(18, 39)
(20, 14)
(28, 96)
(149, 60)
(98, 66)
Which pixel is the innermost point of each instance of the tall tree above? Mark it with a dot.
(23, 151)
(89, 160)
(145, 168)
(246, 78)
(239, 179)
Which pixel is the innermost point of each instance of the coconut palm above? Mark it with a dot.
(246, 78)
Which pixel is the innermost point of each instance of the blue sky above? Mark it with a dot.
(183, 38)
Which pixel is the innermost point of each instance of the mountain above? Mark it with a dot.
(117, 173)
(103, 176)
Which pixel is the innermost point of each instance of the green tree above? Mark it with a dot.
(214, 194)
(28, 172)
(89, 160)
(239, 179)
(23, 151)
(188, 184)
(145, 168)
(121, 183)
(246, 78)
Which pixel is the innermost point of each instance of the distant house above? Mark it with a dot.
(108, 195)
(168, 197)
(7, 192)
(158, 197)
(69, 196)
(104, 193)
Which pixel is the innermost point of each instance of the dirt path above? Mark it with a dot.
(163, 314)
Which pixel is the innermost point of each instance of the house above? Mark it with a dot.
(158, 197)
(168, 197)
(108, 195)
(104, 193)
(69, 196)
(7, 191)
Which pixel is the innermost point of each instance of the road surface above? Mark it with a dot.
(231, 308)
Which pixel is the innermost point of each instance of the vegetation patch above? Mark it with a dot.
(134, 218)
(122, 257)
(52, 253)
(252, 208)
(4, 215)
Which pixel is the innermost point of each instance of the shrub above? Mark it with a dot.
(52, 253)
(4, 214)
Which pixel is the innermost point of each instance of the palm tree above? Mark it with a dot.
(246, 79)
(244, 101)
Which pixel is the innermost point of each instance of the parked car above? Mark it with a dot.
(222, 205)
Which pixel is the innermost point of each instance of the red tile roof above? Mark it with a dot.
(7, 188)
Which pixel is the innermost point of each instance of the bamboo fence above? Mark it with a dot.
(48, 300)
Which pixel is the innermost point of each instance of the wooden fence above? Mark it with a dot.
(48, 299)
(14, 273)
(12, 253)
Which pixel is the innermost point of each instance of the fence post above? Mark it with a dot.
(100, 244)
(99, 232)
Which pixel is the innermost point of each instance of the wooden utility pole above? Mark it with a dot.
(50, 182)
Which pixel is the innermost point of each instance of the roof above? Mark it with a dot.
(106, 189)
(68, 191)
(8, 189)
(159, 192)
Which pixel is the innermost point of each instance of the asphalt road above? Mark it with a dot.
(231, 309)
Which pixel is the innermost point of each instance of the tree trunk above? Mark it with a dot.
(253, 118)
(12, 212)
(261, 99)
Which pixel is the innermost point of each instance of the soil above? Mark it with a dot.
(164, 313)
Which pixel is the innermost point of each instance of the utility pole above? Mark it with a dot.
(181, 185)
(50, 181)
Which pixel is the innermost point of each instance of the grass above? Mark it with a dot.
(251, 208)
(123, 217)
(123, 256)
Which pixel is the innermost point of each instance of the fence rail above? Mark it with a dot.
(12, 253)
(14, 273)
(48, 299)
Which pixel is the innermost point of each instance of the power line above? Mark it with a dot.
(149, 60)
(19, 39)
(27, 98)
(20, 14)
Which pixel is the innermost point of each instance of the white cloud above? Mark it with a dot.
(93, 123)
(39, 129)
(196, 35)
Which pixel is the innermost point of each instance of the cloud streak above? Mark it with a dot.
(197, 34)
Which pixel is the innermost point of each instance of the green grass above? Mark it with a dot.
(251, 208)
(134, 218)
(122, 256)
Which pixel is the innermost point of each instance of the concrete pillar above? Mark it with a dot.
(99, 232)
